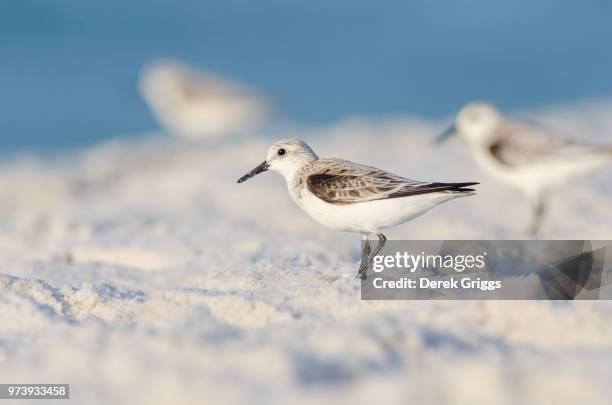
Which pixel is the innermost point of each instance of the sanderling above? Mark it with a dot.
(529, 158)
(194, 104)
(351, 197)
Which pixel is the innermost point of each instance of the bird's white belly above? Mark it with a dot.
(370, 216)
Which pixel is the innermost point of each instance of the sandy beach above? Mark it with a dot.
(138, 271)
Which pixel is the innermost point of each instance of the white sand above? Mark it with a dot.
(140, 272)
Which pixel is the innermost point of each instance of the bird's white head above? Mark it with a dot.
(286, 157)
(475, 122)
(165, 82)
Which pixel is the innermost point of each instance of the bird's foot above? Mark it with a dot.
(363, 271)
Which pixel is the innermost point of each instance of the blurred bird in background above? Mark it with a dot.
(525, 156)
(197, 105)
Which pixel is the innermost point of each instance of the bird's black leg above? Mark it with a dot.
(365, 256)
(381, 242)
(536, 221)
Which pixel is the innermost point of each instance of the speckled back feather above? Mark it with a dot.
(342, 182)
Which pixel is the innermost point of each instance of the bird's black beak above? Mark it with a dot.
(259, 169)
(451, 131)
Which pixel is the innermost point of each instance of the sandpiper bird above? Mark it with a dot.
(196, 105)
(351, 197)
(529, 158)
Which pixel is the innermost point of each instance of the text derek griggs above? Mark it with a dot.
(411, 263)
(423, 282)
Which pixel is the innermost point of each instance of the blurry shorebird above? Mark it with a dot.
(350, 197)
(196, 105)
(529, 158)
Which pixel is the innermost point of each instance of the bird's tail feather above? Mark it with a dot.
(460, 187)
(457, 190)
(451, 188)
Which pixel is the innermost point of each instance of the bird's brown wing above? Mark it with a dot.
(516, 145)
(341, 182)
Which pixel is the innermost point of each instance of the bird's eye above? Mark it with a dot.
(281, 151)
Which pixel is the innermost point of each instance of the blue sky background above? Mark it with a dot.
(68, 68)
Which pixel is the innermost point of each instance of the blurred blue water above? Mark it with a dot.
(68, 68)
